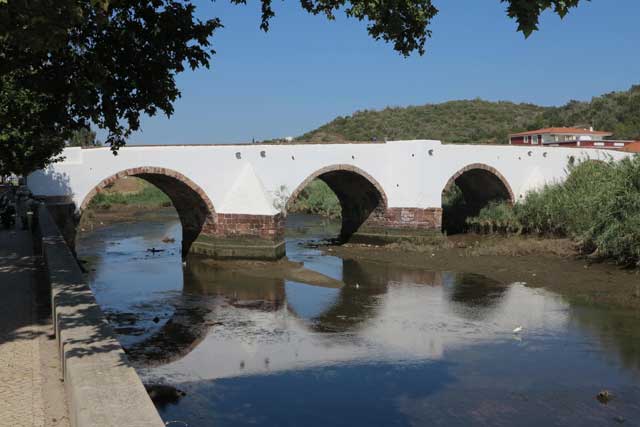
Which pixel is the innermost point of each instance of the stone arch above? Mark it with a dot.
(360, 194)
(479, 184)
(195, 210)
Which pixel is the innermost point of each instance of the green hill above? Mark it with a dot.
(479, 121)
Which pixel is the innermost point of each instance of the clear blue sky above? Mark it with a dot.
(306, 70)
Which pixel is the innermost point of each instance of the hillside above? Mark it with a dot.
(479, 121)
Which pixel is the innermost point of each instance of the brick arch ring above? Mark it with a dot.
(150, 170)
(484, 167)
(335, 168)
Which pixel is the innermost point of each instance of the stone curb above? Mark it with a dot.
(102, 387)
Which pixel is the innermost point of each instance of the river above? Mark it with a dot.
(395, 346)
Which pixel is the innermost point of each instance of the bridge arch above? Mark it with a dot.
(194, 208)
(476, 185)
(358, 192)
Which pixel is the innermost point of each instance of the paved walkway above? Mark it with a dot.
(24, 371)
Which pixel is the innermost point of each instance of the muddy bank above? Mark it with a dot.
(282, 269)
(96, 218)
(553, 264)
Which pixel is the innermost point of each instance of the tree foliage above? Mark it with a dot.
(84, 137)
(472, 121)
(30, 134)
(73, 63)
(478, 121)
(617, 112)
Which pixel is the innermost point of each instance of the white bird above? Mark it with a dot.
(357, 286)
(518, 330)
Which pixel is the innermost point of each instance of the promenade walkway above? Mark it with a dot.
(31, 393)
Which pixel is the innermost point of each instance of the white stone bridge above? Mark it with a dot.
(232, 199)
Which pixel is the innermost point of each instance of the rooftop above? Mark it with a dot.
(563, 131)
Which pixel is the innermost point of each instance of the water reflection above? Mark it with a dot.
(394, 346)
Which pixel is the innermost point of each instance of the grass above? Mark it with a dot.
(597, 206)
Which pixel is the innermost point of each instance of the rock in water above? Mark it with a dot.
(604, 397)
(163, 394)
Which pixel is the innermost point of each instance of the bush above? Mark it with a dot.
(497, 217)
(598, 206)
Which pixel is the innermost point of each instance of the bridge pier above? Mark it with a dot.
(242, 236)
(388, 225)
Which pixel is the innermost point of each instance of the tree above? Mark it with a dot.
(73, 63)
(84, 137)
(30, 137)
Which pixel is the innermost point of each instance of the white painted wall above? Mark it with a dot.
(409, 175)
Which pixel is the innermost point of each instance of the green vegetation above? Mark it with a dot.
(454, 210)
(454, 121)
(84, 137)
(147, 196)
(617, 112)
(478, 121)
(598, 207)
(318, 199)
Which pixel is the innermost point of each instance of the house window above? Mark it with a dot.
(526, 139)
(535, 139)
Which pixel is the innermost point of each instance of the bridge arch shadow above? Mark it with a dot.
(194, 208)
(359, 194)
(468, 191)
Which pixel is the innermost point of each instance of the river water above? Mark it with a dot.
(393, 347)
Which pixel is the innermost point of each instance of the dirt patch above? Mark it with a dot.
(127, 185)
(553, 264)
(282, 269)
(482, 245)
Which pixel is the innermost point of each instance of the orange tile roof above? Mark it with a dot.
(561, 130)
(633, 147)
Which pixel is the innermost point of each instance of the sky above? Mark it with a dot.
(307, 70)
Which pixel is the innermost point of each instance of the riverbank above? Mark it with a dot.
(553, 264)
(94, 217)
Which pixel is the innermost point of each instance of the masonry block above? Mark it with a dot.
(387, 225)
(242, 236)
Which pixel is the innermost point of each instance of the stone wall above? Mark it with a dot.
(406, 219)
(265, 227)
(399, 224)
(102, 388)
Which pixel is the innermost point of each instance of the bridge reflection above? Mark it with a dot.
(202, 322)
(215, 299)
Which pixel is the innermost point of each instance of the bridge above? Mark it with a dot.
(232, 199)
